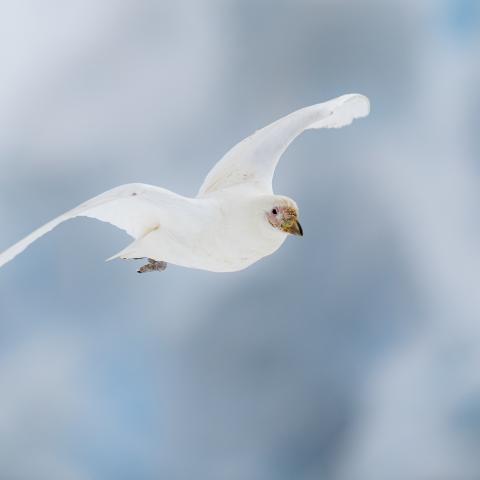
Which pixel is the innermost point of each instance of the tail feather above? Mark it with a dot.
(135, 249)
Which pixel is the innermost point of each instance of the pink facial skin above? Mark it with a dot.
(285, 219)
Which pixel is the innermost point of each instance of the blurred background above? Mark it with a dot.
(352, 353)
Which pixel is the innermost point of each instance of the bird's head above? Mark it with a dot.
(282, 214)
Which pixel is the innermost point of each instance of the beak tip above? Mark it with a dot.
(300, 230)
(293, 228)
(297, 229)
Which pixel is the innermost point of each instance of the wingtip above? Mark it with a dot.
(343, 110)
(360, 103)
(365, 102)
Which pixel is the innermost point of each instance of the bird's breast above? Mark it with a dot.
(220, 239)
(235, 247)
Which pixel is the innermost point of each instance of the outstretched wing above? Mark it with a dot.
(136, 208)
(254, 159)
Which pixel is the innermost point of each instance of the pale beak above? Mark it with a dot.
(293, 227)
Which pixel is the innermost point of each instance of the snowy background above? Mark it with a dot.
(352, 353)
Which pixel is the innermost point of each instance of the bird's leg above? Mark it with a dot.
(153, 266)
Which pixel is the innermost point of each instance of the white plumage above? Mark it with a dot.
(230, 224)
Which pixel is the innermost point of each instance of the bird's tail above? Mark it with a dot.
(136, 249)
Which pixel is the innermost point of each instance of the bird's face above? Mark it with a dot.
(283, 216)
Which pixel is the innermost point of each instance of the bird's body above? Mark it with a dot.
(222, 232)
(233, 222)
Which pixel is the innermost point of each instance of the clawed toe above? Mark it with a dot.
(153, 266)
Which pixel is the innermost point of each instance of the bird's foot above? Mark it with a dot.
(153, 266)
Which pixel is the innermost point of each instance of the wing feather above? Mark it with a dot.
(135, 208)
(254, 159)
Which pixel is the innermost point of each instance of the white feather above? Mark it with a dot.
(224, 228)
(255, 158)
(135, 208)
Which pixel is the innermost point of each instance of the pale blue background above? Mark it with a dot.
(352, 353)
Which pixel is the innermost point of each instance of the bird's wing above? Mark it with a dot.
(136, 208)
(254, 159)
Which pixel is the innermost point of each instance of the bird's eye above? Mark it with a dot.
(274, 211)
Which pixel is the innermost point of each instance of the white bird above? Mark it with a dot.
(234, 221)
